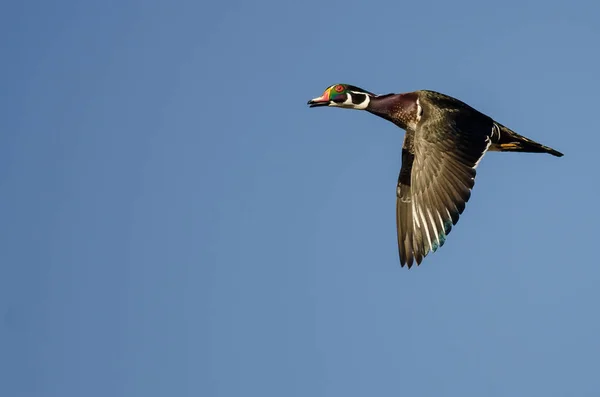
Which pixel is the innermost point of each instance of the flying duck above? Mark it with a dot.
(445, 140)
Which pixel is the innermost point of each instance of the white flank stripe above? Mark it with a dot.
(489, 142)
(496, 130)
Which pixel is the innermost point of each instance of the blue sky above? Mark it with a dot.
(177, 222)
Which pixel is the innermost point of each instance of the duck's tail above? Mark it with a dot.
(506, 140)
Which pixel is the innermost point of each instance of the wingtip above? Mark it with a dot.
(406, 260)
(410, 262)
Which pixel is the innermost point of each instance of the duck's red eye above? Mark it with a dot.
(339, 88)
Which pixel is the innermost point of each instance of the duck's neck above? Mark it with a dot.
(397, 108)
(381, 105)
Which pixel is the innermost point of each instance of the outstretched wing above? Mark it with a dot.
(436, 178)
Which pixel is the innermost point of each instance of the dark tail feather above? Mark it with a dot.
(506, 140)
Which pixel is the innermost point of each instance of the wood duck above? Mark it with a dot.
(445, 140)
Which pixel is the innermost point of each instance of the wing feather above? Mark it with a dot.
(437, 175)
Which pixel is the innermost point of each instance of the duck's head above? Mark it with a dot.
(343, 96)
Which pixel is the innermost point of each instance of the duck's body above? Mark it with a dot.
(445, 140)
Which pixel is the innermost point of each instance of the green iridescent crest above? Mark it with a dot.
(336, 91)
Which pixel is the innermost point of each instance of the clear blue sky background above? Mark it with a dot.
(176, 222)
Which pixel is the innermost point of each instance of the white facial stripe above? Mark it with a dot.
(363, 105)
(348, 101)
